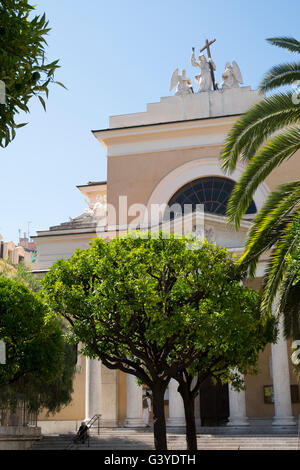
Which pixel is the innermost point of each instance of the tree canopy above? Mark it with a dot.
(153, 308)
(34, 344)
(47, 386)
(20, 273)
(38, 394)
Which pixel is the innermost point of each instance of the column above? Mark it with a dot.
(197, 411)
(176, 408)
(237, 407)
(281, 382)
(197, 405)
(109, 398)
(134, 416)
(92, 388)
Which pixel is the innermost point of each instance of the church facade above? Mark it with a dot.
(170, 154)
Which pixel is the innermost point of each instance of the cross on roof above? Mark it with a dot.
(207, 46)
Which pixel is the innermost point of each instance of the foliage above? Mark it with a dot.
(24, 69)
(40, 395)
(290, 293)
(34, 344)
(25, 276)
(37, 392)
(264, 137)
(6, 268)
(153, 308)
(20, 273)
(134, 291)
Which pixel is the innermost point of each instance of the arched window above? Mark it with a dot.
(212, 191)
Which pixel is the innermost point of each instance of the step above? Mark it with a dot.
(129, 440)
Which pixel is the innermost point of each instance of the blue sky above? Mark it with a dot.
(115, 57)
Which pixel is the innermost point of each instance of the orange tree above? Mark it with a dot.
(34, 344)
(40, 365)
(154, 308)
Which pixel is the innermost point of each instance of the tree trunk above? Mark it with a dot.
(189, 409)
(159, 421)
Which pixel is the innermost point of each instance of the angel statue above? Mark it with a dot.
(232, 76)
(184, 85)
(204, 79)
(98, 207)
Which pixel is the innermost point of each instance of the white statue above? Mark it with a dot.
(184, 84)
(232, 76)
(204, 79)
(98, 208)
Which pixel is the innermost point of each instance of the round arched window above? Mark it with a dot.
(212, 191)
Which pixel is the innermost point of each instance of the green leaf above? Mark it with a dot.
(42, 101)
(17, 126)
(61, 84)
(286, 42)
(281, 75)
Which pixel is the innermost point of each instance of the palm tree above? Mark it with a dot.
(264, 137)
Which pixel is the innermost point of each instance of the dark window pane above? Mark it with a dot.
(212, 191)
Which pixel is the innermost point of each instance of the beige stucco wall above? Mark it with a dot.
(136, 176)
(255, 406)
(287, 172)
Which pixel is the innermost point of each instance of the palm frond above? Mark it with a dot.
(289, 302)
(266, 242)
(280, 75)
(257, 125)
(282, 198)
(270, 224)
(277, 150)
(286, 43)
(277, 225)
(278, 263)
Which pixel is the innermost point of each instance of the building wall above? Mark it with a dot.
(136, 176)
(255, 406)
(52, 248)
(76, 409)
(15, 254)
